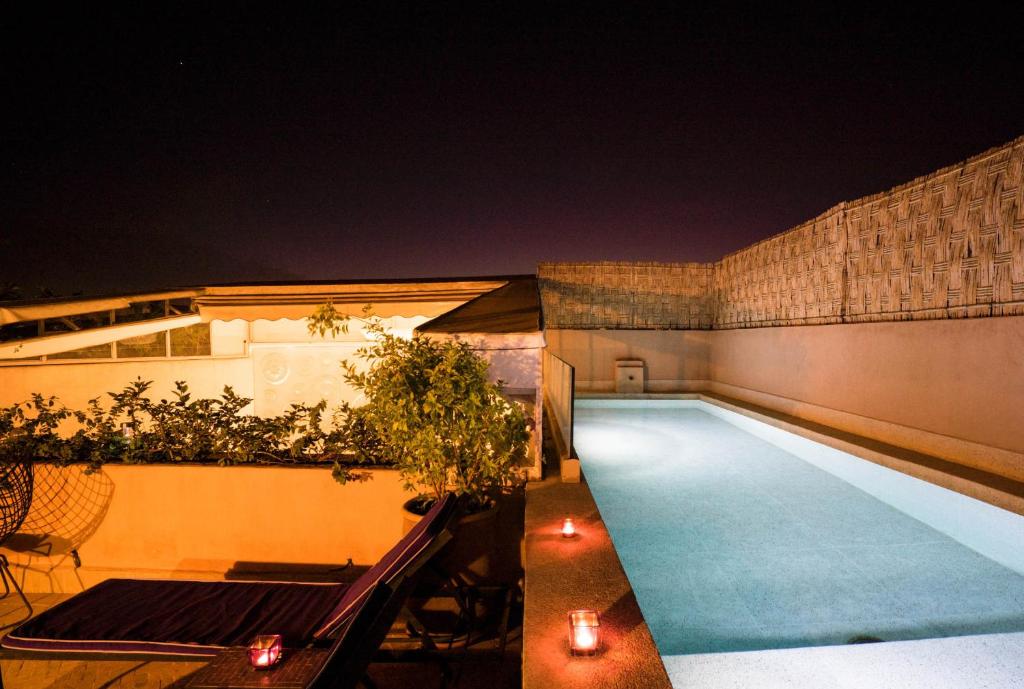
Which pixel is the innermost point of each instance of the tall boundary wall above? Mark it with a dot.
(874, 318)
(946, 245)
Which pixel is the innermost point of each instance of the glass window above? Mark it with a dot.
(140, 311)
(70, 324)
(19, 331)
(154, 344)
(191, 341)
(97, 352)
(179, 306)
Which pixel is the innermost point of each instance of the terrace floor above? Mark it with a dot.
(480, 668)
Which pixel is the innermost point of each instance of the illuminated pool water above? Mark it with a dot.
(749, 538)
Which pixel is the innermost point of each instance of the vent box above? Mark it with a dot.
(629, 375)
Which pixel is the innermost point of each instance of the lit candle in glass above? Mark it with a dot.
(265, 651)
(584, 632)
(568, 528)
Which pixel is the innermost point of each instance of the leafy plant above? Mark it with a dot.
(327, 319)
(30, 430)
(135, 429)
(432, 411)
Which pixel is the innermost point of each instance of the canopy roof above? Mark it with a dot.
(60, 307)
(271, 301)
(503, 304)
(512, 308)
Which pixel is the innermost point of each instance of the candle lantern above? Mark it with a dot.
(265, 651)
(568, 528)
(584, 632)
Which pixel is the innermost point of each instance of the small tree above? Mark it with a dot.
(435, 415)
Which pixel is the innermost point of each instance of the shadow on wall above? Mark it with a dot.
(519, 369)
(675, 360)
(68, 506)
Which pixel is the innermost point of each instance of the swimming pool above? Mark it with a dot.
(737, 536)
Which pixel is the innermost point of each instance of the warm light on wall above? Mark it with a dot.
(568, 528)
(265, 651)
(584, 632)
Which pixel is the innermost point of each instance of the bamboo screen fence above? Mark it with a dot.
(946, 245)
(627, 295)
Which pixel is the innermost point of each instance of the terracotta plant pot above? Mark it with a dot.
(469, 555)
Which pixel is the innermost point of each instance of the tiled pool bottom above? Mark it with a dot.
(732, 544)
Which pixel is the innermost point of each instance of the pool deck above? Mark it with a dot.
(583, 572)
(989, 661)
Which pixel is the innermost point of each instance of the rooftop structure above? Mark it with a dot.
(884, 334)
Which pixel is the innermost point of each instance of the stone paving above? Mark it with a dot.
(583, 572)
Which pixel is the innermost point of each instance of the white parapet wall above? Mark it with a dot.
(952, 389)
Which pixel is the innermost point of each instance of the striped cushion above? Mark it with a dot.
(176, 617)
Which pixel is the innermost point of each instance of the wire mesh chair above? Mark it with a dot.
(15, 499)
(68, 505)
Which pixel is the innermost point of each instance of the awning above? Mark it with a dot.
(65, 342)
(297, 301)
(511, 308)
(41, 309)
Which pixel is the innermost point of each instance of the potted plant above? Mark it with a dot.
(434, 415)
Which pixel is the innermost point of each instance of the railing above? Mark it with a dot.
(559, 396)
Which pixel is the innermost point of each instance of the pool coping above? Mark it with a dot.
(983, 661)
(583, 572)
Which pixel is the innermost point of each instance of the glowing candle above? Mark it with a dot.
(265, 651)
(584, 632)
(568, 528)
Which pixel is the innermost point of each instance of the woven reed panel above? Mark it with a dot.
(948, 245)
(626, 295)
(792, 278)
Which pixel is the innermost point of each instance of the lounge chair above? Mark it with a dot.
(341, 666)
(168, 619)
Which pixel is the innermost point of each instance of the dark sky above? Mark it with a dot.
(218, 142)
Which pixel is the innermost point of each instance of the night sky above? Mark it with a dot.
(217, 142)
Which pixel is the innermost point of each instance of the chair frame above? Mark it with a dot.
(23, 490)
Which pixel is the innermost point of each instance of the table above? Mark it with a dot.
(230, 669)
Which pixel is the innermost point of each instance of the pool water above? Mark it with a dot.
(733, 544)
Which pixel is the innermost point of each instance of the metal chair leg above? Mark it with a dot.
(8, 576)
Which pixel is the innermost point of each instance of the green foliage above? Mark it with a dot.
(327, 319)
(136, 429)
(29, 430)
(432, 412)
